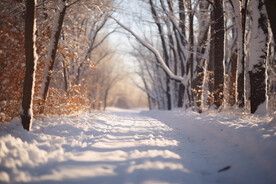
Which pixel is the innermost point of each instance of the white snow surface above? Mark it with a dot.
(139, 146)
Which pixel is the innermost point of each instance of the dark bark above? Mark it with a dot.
(165, 52)
(105, 98)
(172, 41)
(271, 12)
(181, 90)
(241, 75)
(168, 94)
(211, 64)
(54, 51)
(26, 114)
(190, 64)
(258, 85)
(65, 75)
(232, 77)
(181, 7)
(65, 70)
(218, 26)
(172, 44)
(80, 73)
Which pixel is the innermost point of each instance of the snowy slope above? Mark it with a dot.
(133, 147)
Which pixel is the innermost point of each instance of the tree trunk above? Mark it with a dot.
(211, 64)
(201, 50)
(165, 51)
(31, 60)
(218, 25)
(65, 76)
(233, 79)
(105, 98)
(190, 64)
(181, 90)
(241, 55)
(174, 61)
(147, 91)
(258, 58)
(271, 12)
(53, 48)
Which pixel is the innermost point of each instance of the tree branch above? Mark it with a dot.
(154, 51)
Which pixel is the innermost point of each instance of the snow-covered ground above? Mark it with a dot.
(134, 146)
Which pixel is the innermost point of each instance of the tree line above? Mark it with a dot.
(203, 54)
(55, 57)
(196, 54)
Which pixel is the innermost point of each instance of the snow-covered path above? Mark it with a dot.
(133, 147)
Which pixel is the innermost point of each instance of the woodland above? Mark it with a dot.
(57, 56)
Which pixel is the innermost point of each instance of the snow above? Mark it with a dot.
(138, 146)
(263, 107)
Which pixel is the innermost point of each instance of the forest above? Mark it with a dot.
(58, 57)
(138, 91)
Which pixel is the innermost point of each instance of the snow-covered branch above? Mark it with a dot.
(153, 50)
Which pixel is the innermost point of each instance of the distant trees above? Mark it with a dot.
(78, 24)
(58, 22)
(222, 43)
(100, 82)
